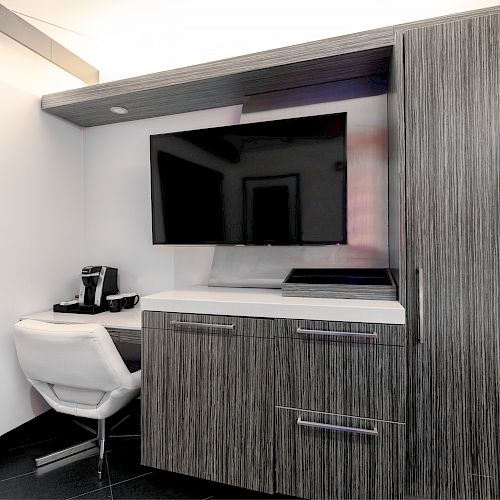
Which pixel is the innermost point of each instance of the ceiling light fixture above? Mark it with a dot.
(118, 110)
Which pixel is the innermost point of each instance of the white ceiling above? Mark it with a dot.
(124, 38)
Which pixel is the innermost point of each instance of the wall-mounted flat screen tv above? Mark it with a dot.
(281, 182)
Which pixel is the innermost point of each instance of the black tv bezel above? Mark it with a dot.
(243, 243)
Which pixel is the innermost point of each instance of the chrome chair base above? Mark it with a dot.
(94, 446)
(67, 452)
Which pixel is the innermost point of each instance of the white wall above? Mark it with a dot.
(41, 214)
(118, 203)
(118, 211)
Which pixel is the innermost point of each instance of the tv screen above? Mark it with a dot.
(281, 182)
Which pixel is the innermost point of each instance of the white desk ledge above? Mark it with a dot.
(255, 302)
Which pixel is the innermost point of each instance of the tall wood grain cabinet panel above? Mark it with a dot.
(452, 100)
(207, 396)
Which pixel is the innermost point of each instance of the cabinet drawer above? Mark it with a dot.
(327, 456)
(206, 324)
(341, 377)
(336, 331)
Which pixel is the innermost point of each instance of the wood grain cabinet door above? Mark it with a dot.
(207, 405)
(452, 96)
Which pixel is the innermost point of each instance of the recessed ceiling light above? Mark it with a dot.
(118, 110)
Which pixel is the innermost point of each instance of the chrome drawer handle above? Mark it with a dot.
(372, 335)
(205, 325)
(338, 428)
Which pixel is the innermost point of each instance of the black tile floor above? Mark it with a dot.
(123, 476)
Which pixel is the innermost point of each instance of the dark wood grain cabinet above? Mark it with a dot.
(340, 415)
(452, 78)
(253, 403)
(207, 399)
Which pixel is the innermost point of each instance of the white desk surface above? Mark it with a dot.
(126, 319)
(271, 304)
(253, 302)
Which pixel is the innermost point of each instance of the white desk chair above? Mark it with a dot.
(78, 370)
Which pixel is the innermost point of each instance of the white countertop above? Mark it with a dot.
(262, 303)
(126, 319)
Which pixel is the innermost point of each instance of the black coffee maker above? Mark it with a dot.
(97, 283)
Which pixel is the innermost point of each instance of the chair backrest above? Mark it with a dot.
(79, 362)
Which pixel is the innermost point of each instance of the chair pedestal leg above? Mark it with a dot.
(101, 440)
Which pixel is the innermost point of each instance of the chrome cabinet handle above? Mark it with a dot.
(329, 333)
(205, 325)
(338, 428)
(420, 280)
